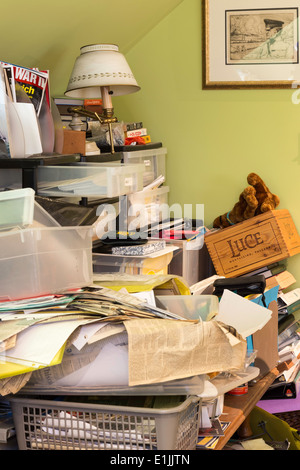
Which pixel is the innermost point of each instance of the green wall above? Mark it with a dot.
(49, 35)
(214, 137)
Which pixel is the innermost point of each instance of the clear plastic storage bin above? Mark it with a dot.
(153, 159)
(188, 263)
(81, 425)
(45, 260)
(109, 179)
(190, 307)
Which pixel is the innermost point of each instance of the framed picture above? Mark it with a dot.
(251, 44)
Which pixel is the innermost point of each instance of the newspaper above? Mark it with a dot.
(11, 385)
(34, 82)
(163, 350)
(75, 360)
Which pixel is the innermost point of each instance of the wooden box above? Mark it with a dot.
(254, 243)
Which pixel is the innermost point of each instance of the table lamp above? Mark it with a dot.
(101, 71)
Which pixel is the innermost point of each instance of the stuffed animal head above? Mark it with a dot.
(254, 200)
(267, 201)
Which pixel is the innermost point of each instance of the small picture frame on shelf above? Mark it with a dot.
(250, 44)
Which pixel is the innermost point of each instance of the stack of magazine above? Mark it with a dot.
(33, 82)
(26, 122)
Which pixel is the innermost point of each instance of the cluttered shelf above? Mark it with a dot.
(237, 408)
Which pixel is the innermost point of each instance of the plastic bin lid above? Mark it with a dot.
(16, 208)
(187, 386)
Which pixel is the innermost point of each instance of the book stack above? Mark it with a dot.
(285, 384)
(288, 333)
(288, 302)
(276, 274)
(289, 362)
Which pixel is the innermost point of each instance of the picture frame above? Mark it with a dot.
(250, 44)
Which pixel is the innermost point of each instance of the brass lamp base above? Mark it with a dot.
(106, 118)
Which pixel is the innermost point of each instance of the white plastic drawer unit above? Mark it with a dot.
(147, 207)
(153, 159)
(110, 179)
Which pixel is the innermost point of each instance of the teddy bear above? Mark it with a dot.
(254, 200)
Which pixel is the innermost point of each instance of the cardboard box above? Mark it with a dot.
(74, 142)
(265, 341)
(254, 243)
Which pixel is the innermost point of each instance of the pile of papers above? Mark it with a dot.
(97, 336)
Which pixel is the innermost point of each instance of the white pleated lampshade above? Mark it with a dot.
(100, 65)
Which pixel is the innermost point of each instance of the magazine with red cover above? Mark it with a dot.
(34, 82)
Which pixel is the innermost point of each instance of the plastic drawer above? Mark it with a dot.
(155, 264)
(147, 207)
(90, 179)
(153, 159)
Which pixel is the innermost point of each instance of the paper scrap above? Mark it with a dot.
(256, 444)
(245, 316)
